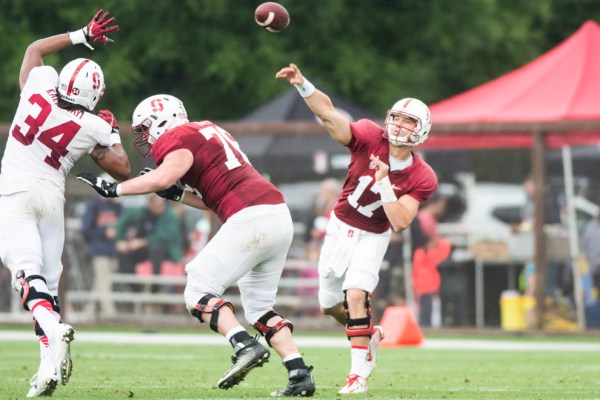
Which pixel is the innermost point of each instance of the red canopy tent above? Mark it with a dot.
(553, 101)
(562, 85)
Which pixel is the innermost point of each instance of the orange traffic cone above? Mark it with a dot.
(400, 328)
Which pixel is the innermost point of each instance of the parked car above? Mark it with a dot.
(483, 203)
(476, 211)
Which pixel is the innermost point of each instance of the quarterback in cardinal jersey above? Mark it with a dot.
(360, 204)
(384, 186)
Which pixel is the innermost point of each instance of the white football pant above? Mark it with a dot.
(251, 247)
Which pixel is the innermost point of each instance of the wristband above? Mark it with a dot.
(118, 190)
(115, 138)
(78, 37)
(386, 191)
(306, 89)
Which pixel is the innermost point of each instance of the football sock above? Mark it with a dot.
(359, 361)
(43, 313)
(294, 361)
(44, 345)
(237, 337)
(233, 331)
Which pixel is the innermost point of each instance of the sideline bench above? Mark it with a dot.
(295, 290)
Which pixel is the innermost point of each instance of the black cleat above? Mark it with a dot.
(301, 384)
(252, 355)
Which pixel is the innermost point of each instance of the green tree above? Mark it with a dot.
(213, 56)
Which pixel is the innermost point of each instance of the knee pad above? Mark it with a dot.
(30, 293)
(269, 331)
(202, 307)
(352, 323)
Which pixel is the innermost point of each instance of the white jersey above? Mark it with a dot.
(45, 140)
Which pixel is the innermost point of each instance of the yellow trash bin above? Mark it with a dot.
(529, 312)
(512, 312)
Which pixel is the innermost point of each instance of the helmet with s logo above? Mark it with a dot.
(411, 108)
(153, 117)
(81, 82)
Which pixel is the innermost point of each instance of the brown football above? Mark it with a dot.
(272, 16)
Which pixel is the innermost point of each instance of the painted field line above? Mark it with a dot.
(305, 341)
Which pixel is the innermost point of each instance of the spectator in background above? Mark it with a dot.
(198, 237)
(99, 230)
(391, 290)
(388, 292)
(195, 227)
(321, 209)
(179, 211)
(555, 269)
(149, 233)
(324, 203)
(552, 208)
(5, 295)
(591, 250)
(426, 277)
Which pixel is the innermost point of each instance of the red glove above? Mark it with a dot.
(110, 119)
(97, 28)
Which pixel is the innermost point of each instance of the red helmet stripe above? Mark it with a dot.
(74, 76)
(407, 103)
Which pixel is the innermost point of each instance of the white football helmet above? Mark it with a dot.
(81, 82)
(414, 109)
(153, 117)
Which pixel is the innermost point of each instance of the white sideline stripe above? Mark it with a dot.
(303, 341)
(465, 344)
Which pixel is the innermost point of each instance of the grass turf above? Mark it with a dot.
(103, 371)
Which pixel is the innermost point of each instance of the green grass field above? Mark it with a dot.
(122, 371)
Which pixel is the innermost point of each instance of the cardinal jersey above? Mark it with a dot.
(359, 205)
(221, 172)
(45, 140)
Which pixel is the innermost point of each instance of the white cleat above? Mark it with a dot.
(44, 382)
(60, 347)
(354, 385)
(376, 338)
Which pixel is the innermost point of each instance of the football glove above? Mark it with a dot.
(174, 193)
(104, 188)
(110, 119)
(95, 30)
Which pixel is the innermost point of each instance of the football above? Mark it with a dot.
(272, 16)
